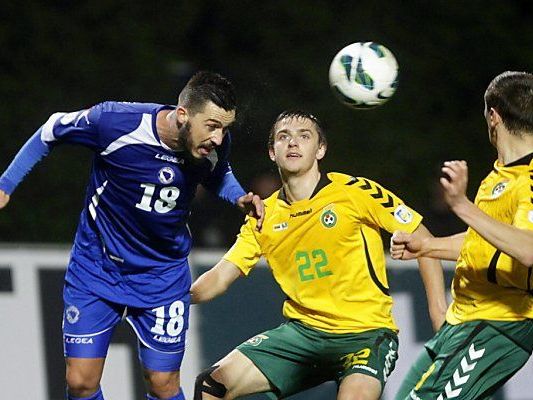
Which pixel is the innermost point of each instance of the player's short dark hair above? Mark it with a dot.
(298, 114)
(511, 95)
(205, 86)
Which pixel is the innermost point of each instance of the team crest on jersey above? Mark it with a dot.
(498, 189)
(328, 217)
(166, 175)
(256, 340)
(402, 214)
(72, 314)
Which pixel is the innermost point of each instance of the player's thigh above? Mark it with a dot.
(372, 353)
(161, 331)
(288, 356)
(359, 387)
(414, 375)
(474, 360)
(239, 375)
(88, 323)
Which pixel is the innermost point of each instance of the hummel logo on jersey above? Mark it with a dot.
(171, 159)
(300, 213)
(390, 360)
(454, 387)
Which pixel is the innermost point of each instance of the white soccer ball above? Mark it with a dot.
(364, 75)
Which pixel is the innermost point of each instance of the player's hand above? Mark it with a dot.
(454, 182)
(404, 246)
(4, 199)
(252, 205)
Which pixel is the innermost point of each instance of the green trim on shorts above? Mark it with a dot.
(295, 357)
(470, 360)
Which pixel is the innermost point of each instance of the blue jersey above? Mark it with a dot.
(132, 241)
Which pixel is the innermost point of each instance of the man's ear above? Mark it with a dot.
(182, 115)
(494, 117)
(321, 152)
(271, 154)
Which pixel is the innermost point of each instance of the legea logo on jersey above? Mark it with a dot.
(166, 175)
(498, 189)
(72, 314)
(328, 217)
(530, 216)
(402, 214)
(171, 159)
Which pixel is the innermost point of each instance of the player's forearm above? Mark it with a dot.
(443, 248)
(433, 280)
(515, 242)
(214, 282)
(29, 155)
(227, 188)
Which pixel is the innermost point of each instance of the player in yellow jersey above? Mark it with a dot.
(321, 239)
(488, 335)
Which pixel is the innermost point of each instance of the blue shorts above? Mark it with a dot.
(89, 322)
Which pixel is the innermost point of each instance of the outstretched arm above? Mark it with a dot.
(515, 242)
(433, 280)
(29, 155)
(214, 282)
(405, 246)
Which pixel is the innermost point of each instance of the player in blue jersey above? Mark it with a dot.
(130, 251)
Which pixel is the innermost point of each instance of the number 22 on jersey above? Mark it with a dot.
(312, 264)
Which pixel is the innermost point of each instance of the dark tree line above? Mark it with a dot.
(64, 55)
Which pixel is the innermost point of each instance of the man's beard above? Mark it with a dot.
(184, 140)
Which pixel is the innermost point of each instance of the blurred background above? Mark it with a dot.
(68, 55)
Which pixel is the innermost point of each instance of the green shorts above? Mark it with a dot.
(468, 361)
(295, 357)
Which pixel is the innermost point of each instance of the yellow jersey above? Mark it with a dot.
(488, 284)
(326, 252)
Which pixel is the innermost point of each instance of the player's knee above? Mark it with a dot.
(205, 383)
(163, 384)
(81, 383)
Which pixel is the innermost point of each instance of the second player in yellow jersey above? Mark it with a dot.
(326, 253)
(321, 239)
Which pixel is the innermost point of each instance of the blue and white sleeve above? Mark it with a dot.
(77, 128)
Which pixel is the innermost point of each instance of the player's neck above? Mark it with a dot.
(514, 147)
(166, 128)
(300, 187)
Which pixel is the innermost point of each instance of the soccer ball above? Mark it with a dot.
(364, 75)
